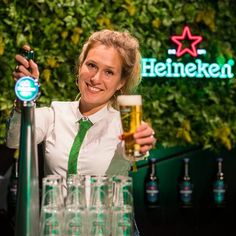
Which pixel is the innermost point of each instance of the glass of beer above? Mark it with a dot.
(131, 115)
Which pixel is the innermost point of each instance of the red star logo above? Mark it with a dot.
(186, 34)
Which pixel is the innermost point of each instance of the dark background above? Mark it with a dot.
(203, 217)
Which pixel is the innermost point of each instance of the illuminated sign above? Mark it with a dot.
(26, 88)
(195, 69)
(181, 50)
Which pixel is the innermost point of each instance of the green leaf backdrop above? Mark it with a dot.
(182, 111)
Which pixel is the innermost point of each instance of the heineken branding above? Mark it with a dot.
(197, 68)
(26, 89)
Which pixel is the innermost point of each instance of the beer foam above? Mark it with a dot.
(129, 100)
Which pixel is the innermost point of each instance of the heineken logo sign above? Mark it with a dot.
(26, 89)
(197, 68)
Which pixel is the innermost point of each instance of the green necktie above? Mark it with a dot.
(85, 124)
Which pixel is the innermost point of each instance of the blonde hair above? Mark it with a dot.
(128, 48)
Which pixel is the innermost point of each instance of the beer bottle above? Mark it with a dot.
(152, 193)
(185, 186)
(219, 188)
(12, 191)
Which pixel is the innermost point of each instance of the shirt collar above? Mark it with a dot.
(96, 116)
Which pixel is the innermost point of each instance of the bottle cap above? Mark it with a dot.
(152, 160)
(220, 159)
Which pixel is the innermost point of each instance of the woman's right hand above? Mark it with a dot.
(25, 67)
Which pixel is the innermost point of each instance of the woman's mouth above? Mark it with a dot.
(93, 89)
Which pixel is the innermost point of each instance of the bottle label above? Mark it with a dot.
(219, 191)
(186, 192)
(152, 191)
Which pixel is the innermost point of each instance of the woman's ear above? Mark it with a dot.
(122, 83)
(77, 81)
(77, 76)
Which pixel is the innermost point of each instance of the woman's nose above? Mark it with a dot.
(96, 77)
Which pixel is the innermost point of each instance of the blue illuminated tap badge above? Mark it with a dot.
(27, 89)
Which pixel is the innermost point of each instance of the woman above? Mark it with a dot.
(109, 65)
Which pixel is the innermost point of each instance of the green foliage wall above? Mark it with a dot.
(182, 111)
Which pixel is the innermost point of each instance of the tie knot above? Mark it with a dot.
(85, 122)
(84, 119)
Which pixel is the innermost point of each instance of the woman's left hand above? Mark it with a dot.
(144, 136)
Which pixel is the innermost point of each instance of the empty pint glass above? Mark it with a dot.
(75, 210)
(131, 115)
(122, 207)
(52, 206)
(99, 211)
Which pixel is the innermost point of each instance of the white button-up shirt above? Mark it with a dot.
(101, 151)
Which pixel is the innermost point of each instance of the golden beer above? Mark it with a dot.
(131, 115)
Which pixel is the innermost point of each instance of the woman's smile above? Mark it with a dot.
(93, 89)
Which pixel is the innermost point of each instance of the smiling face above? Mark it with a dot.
(99, 78)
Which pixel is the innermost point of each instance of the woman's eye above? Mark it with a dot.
(91, 65)
(109, 72)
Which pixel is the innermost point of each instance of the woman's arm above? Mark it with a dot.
(44, 117)
(13, 130)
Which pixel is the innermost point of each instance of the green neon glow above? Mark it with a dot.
(231, 62)
(196, 69)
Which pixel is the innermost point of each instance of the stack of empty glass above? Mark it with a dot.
(52, 206)
(98, 209)
(122, 206)
(94, 206)
(75, 207)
